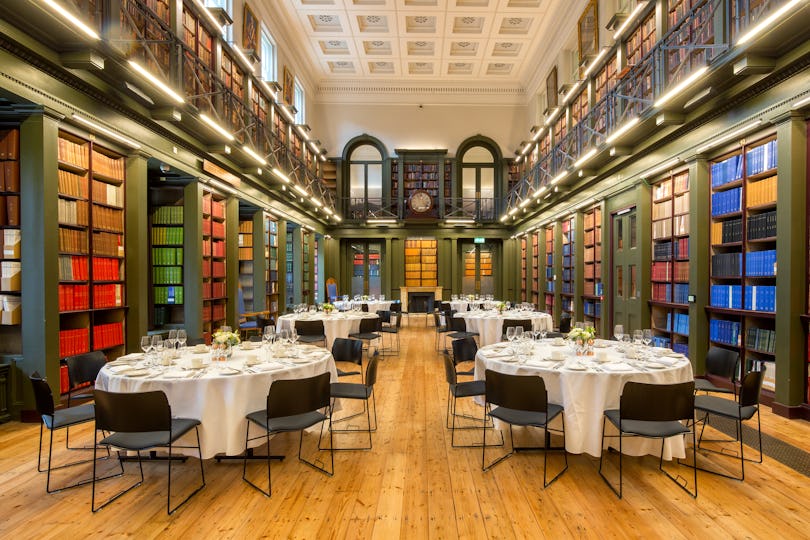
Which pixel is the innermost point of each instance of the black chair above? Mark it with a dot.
(310, 332)
(565, 324)
(57, 419)
(390, 323)
(141, 421)
(348, 350)
(396, 309)
(82, 371)
(655, 411)
(292, 405)
(440, 329)
(526, 324)
(722, 363)
(739, 410)
(458, 327)
(522, 400)
(464, 350)
(362, 391)
(459, 390)
(368, 332)
(364, 307)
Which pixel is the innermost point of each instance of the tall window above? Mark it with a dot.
(268, 54)
(478, 182)
(365, 181)
(300, 102)
(227, 5)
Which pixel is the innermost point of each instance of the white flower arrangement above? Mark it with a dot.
(501, 306)
(586, 333)
(226, 338)
(327, 307)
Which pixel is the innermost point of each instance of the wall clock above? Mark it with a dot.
(421, 201)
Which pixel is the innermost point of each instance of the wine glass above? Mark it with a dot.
(157, 347)
(268, 334)
(225, 329)
(518, 333)
(146, 344)
(647, 336)
(618, 332)
(543, 333)
(510, 333)
(171, 341)
(638, 336)
(182, 338)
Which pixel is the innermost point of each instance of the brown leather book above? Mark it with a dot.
(3, 216)
(12, 144)
(12, 176)
(2, 177)
(13, 210)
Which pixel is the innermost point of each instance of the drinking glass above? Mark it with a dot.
(510, 333)
(618, 332)
(146, 344)
(543, 333)
(182, 338)
(268, 334)
(638, 336)
(647, 336)
(225, 329)
(157, 346)
(518, 333)
(172, 339)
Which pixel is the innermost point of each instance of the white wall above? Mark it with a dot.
(408, 126)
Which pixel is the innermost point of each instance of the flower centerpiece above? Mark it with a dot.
(364, 297)
(327, 307)
(500, 307)
(224, 342)
(583, 336)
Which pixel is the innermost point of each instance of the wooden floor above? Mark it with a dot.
(414, 485)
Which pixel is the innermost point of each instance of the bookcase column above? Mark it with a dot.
(579, 265)
(282, 266)
(385, 270)
(192, 259)
(558, 270)
(699, 261)
(39, 134)
(232, 260)
(259, 263)
(137, 246)
(791, 226)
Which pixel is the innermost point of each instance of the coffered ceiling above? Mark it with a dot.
(466, 43)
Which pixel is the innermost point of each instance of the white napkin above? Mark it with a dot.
(545, 364)
(175, 374)
(667, 361)
(131, 356)
(120, 368)
(503, 353)
(268, 366)
(618, 366)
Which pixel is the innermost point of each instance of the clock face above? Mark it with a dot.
(421, 201)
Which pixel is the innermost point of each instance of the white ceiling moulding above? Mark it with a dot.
(365, 92)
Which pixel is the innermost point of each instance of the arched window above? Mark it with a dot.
(365, 173)
(478, 182)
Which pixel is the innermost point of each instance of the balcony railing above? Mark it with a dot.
(481, 210)
(702, 34)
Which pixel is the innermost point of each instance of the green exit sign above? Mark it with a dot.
(478, 240)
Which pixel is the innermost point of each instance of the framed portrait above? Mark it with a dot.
(288, 86)
(250, 31)
(588, 31)
(551, 88)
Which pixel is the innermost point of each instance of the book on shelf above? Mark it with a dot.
(10, 176)
(72, 185)
(760, 263)
(727, 202)
(728, 231)
(723, 331)
(761, 225)
(761, 158)
(113, 167)
(727, 171)
(10, 144)
(73, 268)
(761, 192)
(167, 215)
(760, 298)
(726, 296)
(167, 255)
(74, 341)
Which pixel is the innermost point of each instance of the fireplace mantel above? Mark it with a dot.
(403, 294)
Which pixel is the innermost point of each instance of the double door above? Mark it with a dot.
(625, 271)
(366, 261)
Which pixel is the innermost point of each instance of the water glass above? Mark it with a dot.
(510, 333)
(182, 338)
(268, 334)
(172, 339)
(518, 333)
(638, 337)
(618, 332)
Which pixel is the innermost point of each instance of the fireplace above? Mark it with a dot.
(420, 302)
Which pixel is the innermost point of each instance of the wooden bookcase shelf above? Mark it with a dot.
(421, 262)
(567, 303)
(246, 262)
(524, 272)
(669, 311)
(743, 238)
(167, 236)
(536, 263)
(548, 296)
(271, 254)
(10, 233)
(592, 288)
(214, 286)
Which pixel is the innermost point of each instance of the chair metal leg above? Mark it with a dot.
(679, 480)
(314, 464)
(169, 509)
(723, 452)
(93, 506)
(602, 457)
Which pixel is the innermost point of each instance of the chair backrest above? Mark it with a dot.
(657, 402)
(347, 350)
(396, 306)
(520, 392)
(364, 307)
(84, 368)
(371, 371)
(369, 325)
(309, 328)
(331, 289)
(526, 324)
(384, 315)
(42, 395)
(722, 362)
(132, 412)
(457, 324)
(450, 371)
(464, 350)
(565, 324)
(288, 397)
(750, 387)
(437, 319)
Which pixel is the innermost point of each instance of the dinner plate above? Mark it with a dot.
(137, 373)
(507, 359)
(301, 360)
(674, 354)
(577, 367)
(557, 344)
(227, 371)
(655, 365)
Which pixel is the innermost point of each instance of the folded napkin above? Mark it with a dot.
(268, 366)
(667, 361)
(503, 353)
(618, 366)
(120, 368)
(545, 364)
(175, 374)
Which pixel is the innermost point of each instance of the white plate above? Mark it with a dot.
(137, 373)
(674, 354)
(227, 371)
(301, 360)
(577, 367)
(507, 359)
(557, 344)
(655, 365)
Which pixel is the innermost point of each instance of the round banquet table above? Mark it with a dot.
(373, 305)
(335, 325)
(462, 305)
(586, 387)
(220, 394)
(489, 324)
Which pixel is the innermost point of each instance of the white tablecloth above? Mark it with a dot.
(489, 324)
(373, 305)
(220, 401)
(335, 324)
(587, 394)
(462, 305)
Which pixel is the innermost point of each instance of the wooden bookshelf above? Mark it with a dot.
(641, 40)
(92, 298)
(213, 263)
(536, 264)
(421, 262)
(568, 291)
(592, 288)
(246, 262)
(271, 253)
(306, 242)
(669, 310)
(549, 270)
(166, 234)
(524, 274)
(11, 235)
(743, 254)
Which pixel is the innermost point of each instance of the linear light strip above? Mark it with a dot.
(772, 18)
(595, 62)
(65, 14)
(216, 127)
(108, 132)
(658, 168)
(640, 6)
(252, 153)
(584, 159)
(281, 175)
(627, 126)
(728, 136)
(210, 16)
(157, 83)
(681, 86)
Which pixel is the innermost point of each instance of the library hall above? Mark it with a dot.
(405, 268)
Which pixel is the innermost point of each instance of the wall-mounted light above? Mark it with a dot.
(220, 185)
(108, 132)
(381, 221)
(459, 221)
(627, 126)
(659, 168)
(243, 57)
(72, 19)
(558, 178)
(801, 103)
(157, 83)
(639, 7)
(584, 159)
(595, 62)
(681, 86)
(216, 127)
(281, 175)
(300, 190)
(768, 21)
(252, 153)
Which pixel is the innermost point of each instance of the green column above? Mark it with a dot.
(259, 263)
(137, 251)
(699, 260)
(791, 250)
(192, 259)
(232, 260)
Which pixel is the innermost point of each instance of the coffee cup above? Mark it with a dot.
(558, 341)
(251, 360)
(557, 355)
(196, 362)
(602, 356)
